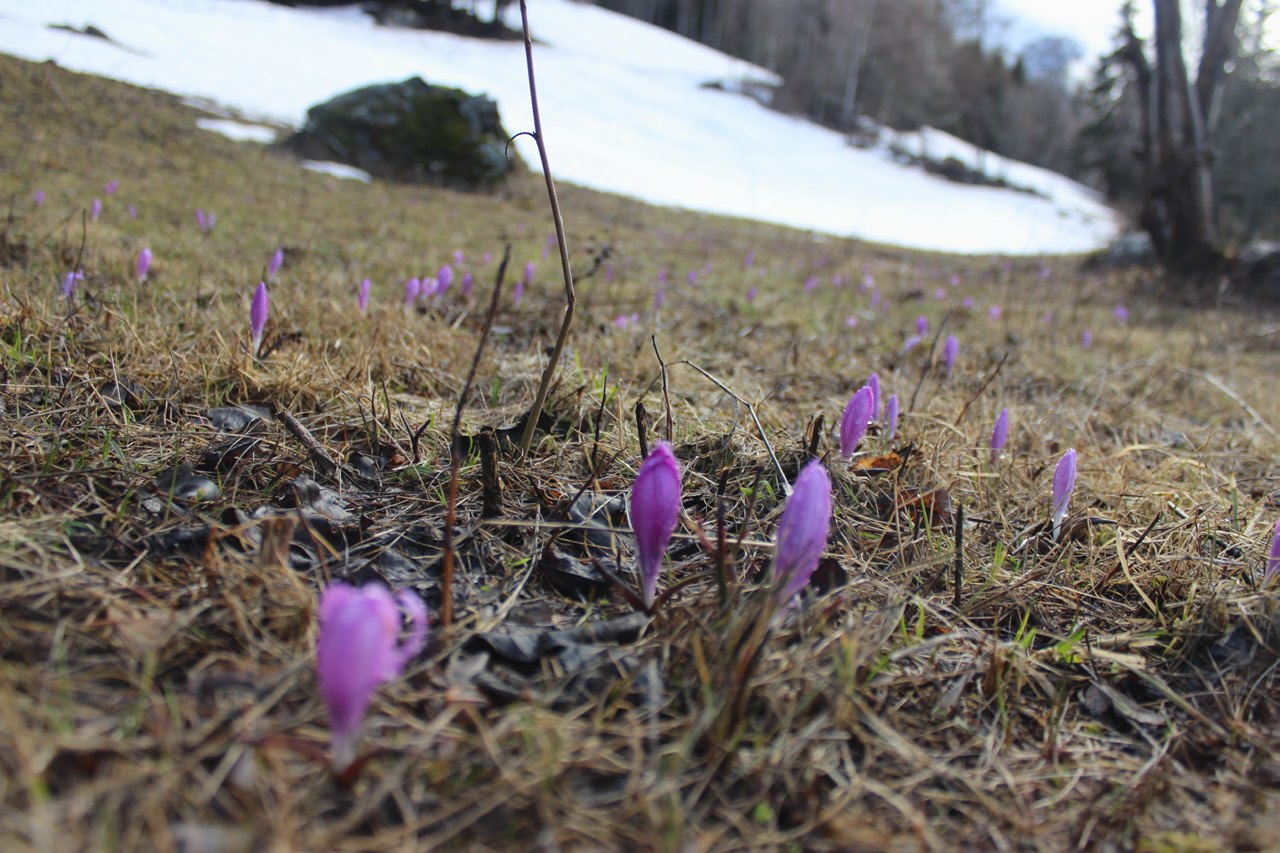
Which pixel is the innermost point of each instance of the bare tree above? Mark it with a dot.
(1179, 115)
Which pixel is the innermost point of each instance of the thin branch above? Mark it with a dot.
(570, 295)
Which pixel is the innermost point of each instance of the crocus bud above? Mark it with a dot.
(273, 266)
(655, 509)
(517, 293)
(112, 187)
(362, 298)
(528, 272)
(202, 221)
(95, 209)
(752, 294)
(802, 532)
(891, 416)
(70, 282)
(458, 256)
(873, 382)
(1064, 482)
(358, 649)
(258, 317)
(37, 198)
(994, 312)
(999, 435)
(909, 344)
(412, 290)
(465, 287)
(143, 264)
(950, 351)
(1271, 574)
(922, 325)
(444, 279)
(853, 424)
(1086, 338)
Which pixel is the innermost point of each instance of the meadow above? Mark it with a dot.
(958, 674)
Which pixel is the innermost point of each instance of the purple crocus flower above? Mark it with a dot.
(458, 257)
(802, 532)
(967, 302)
(999, 435)
(851, 321)
(655, 510)
(873, 382)
(362, 297)
(486, 258)
(1121, 313)
(70, 282)
(891, 417)
(444, 279)
(38, 198)
(1086, 338)
(853, 424)
(202, 221)
(412, 290)
(909, 344)
(258, 317)
(465, 286)
(752, 294)
(95, 209)
(1271, 574)
(358, 649)
(994, 312)
(112, 187)
(273, 266)
(749, 259)
(132, 211)
(693, 277)
(811, 284)
(528, 273)
(659, 298)
(922, 325)
(622, 321)
(143, 264)
(950, 351)
(939, 293)
(662, 277)
(430, 288)
(1064, 483)
(517, 293)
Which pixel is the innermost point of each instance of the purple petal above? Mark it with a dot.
(444, 278)
(655, 511)
(873, 382)
(258, 315)
(1272, 573)
(273, 266)
(802, 532)
(1064, 483)
(999, 435)
(362, 299)
(950, 351)
(854, 422)
(143, 265)
(891, 416)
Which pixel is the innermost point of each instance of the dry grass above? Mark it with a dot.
(1117, 691)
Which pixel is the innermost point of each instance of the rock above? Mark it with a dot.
(410, 131)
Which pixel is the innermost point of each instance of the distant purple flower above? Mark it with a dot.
(444, 278)
(749, 259)
(868, 282)
(622, 321)
(204, 221)
(70, 282)
(362, 297)
(655, 511)
(875, 298)
(358, 648)
(853, 423)
(112, 187)
(1271, 574)
(517, 293)
(967, 302)
(143, 264)
(258, 317)
(458, 257)
(873, 382)
(465, 286)
(1121, 313)
(910, 343)
(1045, 272)
(802, 531)
(38, 198)
(609, 274)
(1064, 483)
(430, 288)
(950, 351)
(753, 293)
(95, 209)
(922, 325)
(994, 312)
(939, 293)
(1086, 338)
(811, 284)
(273, 265)
(999, 435)
(693, 277)
(659, 298)
(891, 417)
(412, 290)
(528, 273)
(486, 258)
(132, 211)
(954, 279)
(662, 277)
(851, 321)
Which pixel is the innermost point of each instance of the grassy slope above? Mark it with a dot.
(152, 695)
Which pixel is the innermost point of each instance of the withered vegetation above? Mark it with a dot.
(169, 510)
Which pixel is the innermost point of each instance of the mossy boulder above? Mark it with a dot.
(410, 131)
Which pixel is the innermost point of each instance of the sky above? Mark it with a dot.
(1091, 23)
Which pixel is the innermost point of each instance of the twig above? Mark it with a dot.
(490, 483)
(642, 429)
(965, 408)
(318, 454)
(666, 394)
(570, 295)
(928, 362)
(957, 573)
(455, 449)
(755, 419)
